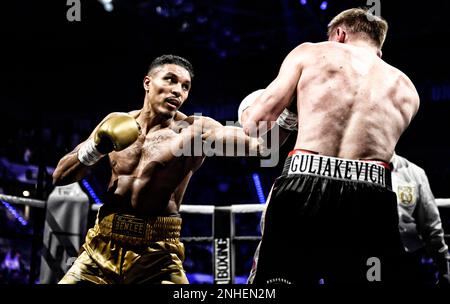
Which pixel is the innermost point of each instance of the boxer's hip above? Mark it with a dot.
(119, 242)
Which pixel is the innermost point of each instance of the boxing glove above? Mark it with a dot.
(114, 134)
(247, 102)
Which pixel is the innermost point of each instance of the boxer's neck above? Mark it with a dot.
(361, 43)
(149, 120)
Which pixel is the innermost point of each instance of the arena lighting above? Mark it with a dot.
(107, 5)
(91, 192)
(26, 193)
(14, 212)
(303, 2)
(259, 190)
(324, 5)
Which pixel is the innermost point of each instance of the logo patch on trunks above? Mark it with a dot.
(129, 226)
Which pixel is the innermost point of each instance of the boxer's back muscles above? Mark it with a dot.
(351, 103)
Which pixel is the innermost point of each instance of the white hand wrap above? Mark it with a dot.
(88, 153)
(247, 102)
(288, 120)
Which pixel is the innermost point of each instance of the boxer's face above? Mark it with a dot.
(167, 88)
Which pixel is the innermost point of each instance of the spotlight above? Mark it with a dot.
(107, 5)
(324, 5)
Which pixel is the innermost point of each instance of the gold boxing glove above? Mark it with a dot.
(115, 133)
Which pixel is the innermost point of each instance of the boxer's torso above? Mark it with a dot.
(148, 177)
(351, 103)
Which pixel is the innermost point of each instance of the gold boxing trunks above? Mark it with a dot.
(124, 249)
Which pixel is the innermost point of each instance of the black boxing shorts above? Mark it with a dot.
(330, 220)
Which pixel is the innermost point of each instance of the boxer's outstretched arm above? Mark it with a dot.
(115, 132)
(276, 97)
(228, 140)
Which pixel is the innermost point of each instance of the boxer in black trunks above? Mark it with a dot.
(334, 198)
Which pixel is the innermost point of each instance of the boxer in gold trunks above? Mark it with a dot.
(153, 153)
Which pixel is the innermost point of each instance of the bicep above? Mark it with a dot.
(225, 135)
(285, 84)
(202, 126)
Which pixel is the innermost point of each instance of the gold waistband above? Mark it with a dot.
(134, 230)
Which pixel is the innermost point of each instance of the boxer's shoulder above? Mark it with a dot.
(202, 121)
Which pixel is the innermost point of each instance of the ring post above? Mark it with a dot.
(223, 230)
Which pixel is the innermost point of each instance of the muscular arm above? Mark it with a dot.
(277, 95)
(69, 168)
(230, 140)
(283, 133)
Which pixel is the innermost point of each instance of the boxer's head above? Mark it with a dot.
(358, 23)
(167, 84)
(171, 59)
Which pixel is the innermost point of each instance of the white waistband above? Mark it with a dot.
(339, 168)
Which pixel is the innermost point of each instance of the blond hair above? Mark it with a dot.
(360, 21)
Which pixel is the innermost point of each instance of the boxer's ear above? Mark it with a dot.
(379, 53)
(146, 83)
(341, 35)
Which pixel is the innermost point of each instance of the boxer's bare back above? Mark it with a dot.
(351, 104)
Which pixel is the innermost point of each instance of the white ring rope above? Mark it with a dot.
(443, 202)
(23, 201)
(197, 238)
(209, 209)
(247, 208)
(201, 209)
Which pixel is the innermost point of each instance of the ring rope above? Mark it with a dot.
(23, 201)
(188, 239)
(443, 202)
(239, 238)
(201, 209)
(245, 238)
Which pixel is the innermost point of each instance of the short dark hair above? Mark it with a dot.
(358, 20)
(172, 59)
